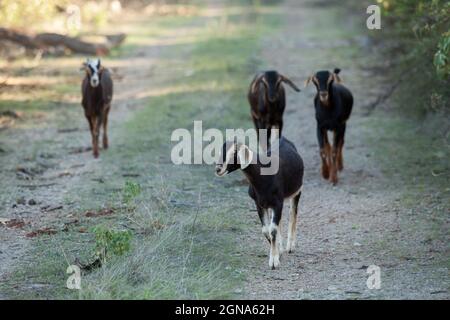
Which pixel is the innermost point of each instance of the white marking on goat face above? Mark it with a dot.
(221, 168)
(94, 67)
(245, 156)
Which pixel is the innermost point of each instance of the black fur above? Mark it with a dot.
(267, 99)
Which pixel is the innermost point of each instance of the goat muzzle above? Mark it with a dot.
(220, 171)
(323, 95)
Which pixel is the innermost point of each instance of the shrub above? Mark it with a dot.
(131, 191)
(421, 34)
(110, 242)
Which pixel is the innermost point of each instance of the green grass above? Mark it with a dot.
(186, 233)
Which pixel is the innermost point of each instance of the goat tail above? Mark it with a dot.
(337, 70)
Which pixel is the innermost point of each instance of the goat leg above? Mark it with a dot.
(340, 147)
(95, 134)
(322, 137)
(333, 166)
(92, 127)
(340, 161)
(292, 229)
(335, 156)
(274, 258)
(280, 239)
(263, 216)
(105, 127)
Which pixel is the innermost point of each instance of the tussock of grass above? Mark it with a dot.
(168, 264)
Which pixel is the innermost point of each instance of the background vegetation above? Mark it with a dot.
(418, 35)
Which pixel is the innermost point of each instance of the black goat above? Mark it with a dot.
(267, 100)
(97, 92)
(333, 103)
(269, 191)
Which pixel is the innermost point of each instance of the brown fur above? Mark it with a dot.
(97, 104)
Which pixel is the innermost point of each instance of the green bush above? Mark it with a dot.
(131, 191)
(420, 31)
(442, 57)
(110, 242)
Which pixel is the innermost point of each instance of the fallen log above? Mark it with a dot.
(45, 40)
(20, 38)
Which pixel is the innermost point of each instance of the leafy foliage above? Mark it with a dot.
(111, 242)
(441, 58)
(131, 191)
(421, 33)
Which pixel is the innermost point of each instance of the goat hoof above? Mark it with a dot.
(274, 263)
(325, 174)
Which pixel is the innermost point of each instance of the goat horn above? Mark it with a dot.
(307, 81)
(255, 82)
(290, 83)
(337, 78)
(254, 114)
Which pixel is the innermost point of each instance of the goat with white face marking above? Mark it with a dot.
(267, 100)
(269, 191)
(333, 103)
(97, 92)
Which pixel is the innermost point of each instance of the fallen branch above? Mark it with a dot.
(20, 38)
(42, 41)
(382, 98)
(370, 107)
(97, 263)
(34, 186)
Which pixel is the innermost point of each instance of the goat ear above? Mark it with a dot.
(337, 78)
(245, 156)
(98, 64)
(290, 83)
(307, 81)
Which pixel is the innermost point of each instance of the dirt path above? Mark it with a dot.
(360, 222)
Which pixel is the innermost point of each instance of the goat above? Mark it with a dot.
(333, 104)
(269, 191)
(97, 92)
(267, 100)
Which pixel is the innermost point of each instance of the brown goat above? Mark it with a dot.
(267, 100)
(97, 92)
